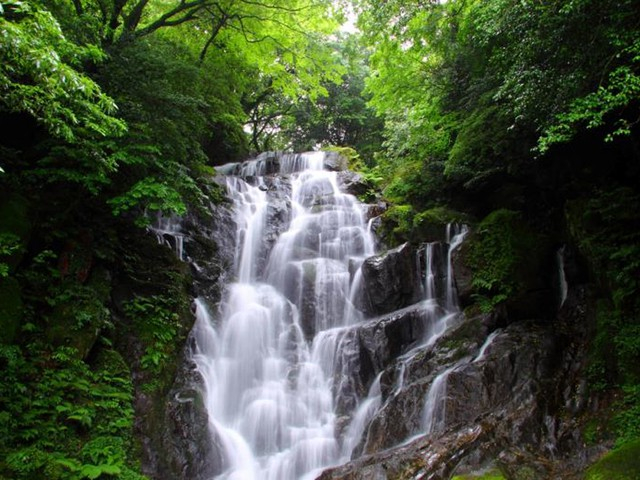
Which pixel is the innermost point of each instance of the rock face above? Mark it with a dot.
(190, 449)
(503, 402)
(390, 281)
(353, 183)
(180, 445)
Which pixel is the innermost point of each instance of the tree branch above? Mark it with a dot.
(187, 10)
(78, 6)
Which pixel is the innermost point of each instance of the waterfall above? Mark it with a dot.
(563, 286)
(435, 404)
(269, 358)
(455, 236)
(168, 232)
(429, 277)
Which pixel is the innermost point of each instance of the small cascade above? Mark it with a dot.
(483, 349)
(455, 237)
(361, 419)
(437, 319)
(435, 405)
(562, 278)
(429, 277)
(168, 231)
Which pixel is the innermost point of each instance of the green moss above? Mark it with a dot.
(505, 256)
(430, 225)
(397, 223)
(78, 316)
(438, 216)
(493, 474)
(354, 161)
(620, 464)
(469, 331)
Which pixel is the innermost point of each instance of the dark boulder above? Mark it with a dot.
(390, 281)
(190, 450)
(387, 337)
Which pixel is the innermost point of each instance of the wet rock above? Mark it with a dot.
(390, 281)
(436, 254)
(333, 161)
(424, 458)
(385, 338)
(510, 396)
(463, 275)
(191, 450)
(354, 373)
(353, 183)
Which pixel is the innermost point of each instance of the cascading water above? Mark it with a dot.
(435, 402)
(562, 278)
(437, 317)
(270, 363)
(166, 228)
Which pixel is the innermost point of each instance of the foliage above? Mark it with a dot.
(157, 324)
(41, 73)
(64, 421)
(341, 115)
(9, 244)
(497, 252)
(609, 101)
(179, 107)
(477, 85)
(626, 421)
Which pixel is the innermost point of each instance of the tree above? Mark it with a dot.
(341, 117)
(500, 79)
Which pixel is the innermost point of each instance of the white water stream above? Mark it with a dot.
(269, 391)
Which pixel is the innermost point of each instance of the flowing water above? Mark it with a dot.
(270, 364)
(562, 279)
(277, 357)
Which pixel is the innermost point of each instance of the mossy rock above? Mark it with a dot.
(11, 309)
(511, 265)
(620, 464)
(430, 225)
(396, 224)
(493, 474)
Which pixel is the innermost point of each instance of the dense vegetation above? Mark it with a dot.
(519, 116)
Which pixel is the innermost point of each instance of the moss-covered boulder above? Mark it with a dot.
(80, 312)
(510, 265)
(431, 225)
(402, 223)
(620, 464)
(491, 474)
